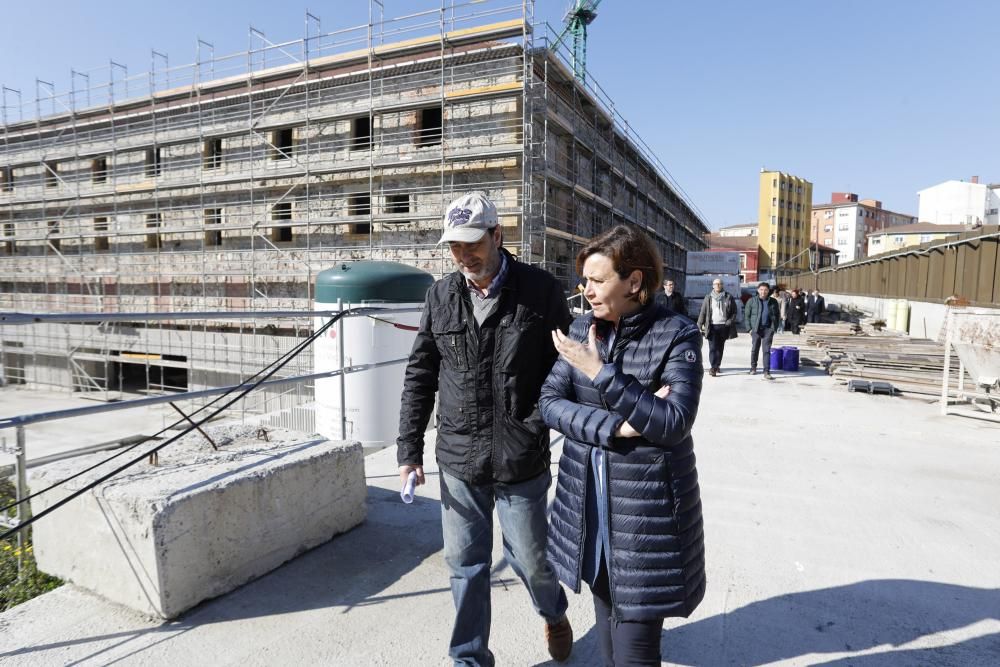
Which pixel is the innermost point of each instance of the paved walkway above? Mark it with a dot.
(841, 529)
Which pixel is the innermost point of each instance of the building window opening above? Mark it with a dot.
(429, 127)
(213, 218)
(282, 143)
(282, 213)
(360, 204)
(53, 234)
(51, 174)
(6, 179)
(361, 133)
(212, 153)
(101, 229)
(99, 170)
(8, 231)
(396, 204)
(154, 240)
(153, 161)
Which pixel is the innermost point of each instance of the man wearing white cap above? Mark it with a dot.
(485, 348)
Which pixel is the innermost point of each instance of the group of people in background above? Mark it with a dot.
(763, 316)
(798, 308)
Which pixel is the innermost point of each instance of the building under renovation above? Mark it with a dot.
(229, 183)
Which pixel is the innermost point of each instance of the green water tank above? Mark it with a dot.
(382, 282)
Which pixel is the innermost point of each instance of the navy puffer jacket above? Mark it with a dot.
(657, 555)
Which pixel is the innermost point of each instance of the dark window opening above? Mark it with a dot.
(429, 127)
(212, 154)
(154, 240)
(282, 143)
(51, 177)
(361, 133)
(8, 231)
(6, 179)
(99, 170)
(282, 211)
(360, 204)
(153, 161)
(213, 216)
(137, 377)
(397, 204)
(53, 231)
(100, 225)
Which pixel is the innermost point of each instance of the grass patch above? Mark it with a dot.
(13, 589)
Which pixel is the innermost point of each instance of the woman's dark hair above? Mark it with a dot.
(629, 249)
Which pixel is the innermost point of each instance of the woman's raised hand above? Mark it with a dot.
(581, 356)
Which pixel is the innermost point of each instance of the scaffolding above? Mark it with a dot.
(230, 182)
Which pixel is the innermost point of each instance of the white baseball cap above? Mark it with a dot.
(468, 218)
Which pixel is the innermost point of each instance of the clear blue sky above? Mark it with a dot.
(875, 97)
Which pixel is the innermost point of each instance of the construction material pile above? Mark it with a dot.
(848, 350)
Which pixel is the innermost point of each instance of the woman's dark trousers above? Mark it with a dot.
(623, 642)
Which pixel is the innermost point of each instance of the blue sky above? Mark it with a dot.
(877, 97)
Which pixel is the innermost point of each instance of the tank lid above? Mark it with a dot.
(388, 282)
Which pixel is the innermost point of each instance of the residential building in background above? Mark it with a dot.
(896, 238)
(745, 245)
(739, 230)
(960, 203)
(783, 212)
(822, 256)
(846, 222)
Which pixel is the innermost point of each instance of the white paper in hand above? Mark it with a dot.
(407, 493)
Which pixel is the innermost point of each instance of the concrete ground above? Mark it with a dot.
(841, 529)
(52, 437)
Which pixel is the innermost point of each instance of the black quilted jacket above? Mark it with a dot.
(486, 378)
(657, 556)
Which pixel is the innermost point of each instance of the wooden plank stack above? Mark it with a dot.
(848, 350)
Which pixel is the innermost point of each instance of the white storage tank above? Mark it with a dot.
(371, 397)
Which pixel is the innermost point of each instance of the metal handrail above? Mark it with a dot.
(36, 318)
(24, 420)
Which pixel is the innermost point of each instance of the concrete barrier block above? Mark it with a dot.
(160, 539)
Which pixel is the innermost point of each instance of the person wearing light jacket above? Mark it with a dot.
(717, 322)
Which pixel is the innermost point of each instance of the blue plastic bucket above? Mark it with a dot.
(790, 359)
(777, 357)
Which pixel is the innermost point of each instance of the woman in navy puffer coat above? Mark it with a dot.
(625, 390)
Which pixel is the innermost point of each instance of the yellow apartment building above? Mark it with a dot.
(783, 217)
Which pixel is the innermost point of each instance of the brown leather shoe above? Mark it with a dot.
(560, 640)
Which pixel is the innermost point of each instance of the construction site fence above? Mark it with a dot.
(966, 267)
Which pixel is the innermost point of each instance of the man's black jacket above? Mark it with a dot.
(488, 378)
(674, 302)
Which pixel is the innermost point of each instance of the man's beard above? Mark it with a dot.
(488, 270)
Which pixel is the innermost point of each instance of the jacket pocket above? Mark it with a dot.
(451, 344)
(522, 446)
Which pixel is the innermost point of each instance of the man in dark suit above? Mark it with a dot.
(796, 311)
(673, 300)
(815, 306)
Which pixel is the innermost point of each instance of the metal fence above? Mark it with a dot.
(967, 267)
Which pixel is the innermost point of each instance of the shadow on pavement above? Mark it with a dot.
(349, 571)
(856, 617)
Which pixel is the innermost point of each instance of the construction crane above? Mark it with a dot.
(580, 14)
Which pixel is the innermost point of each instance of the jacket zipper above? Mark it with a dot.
(615, 615)
(497, 391)
(454, 348)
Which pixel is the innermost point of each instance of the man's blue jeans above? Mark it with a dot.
(467, 520)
